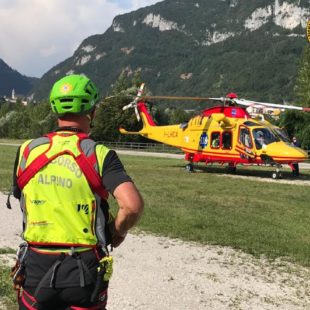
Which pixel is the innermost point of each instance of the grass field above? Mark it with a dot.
(7, 294)
(257, 217)
(261, 218)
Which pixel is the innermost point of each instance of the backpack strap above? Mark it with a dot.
(25, 175)
(85, 163)
(92, 176)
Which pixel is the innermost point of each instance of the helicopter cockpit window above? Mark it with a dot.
(282, 134)
(264, 136)
(215, 140)
(245, 137)
(226, 140)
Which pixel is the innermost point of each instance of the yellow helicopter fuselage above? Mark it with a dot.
(223, 135)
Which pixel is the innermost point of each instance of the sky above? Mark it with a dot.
(36, 35)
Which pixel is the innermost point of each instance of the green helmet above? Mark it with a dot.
(75, 94)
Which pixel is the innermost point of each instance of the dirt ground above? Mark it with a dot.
(152, 273)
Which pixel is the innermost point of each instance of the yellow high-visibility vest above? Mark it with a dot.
(58, 199)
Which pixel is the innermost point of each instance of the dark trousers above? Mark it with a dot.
(61, 281)
(62, 299)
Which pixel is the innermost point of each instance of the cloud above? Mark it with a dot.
(48, 51)
(38, 34)
(133, 4)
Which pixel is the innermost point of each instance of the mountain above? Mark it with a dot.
(198, 48)
(11, 79)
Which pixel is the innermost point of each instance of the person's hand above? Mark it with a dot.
(116, 237)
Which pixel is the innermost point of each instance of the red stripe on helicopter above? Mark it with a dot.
(219, 159)
(185, 149)
(245, 151)
(290, 158)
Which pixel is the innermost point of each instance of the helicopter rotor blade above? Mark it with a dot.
(141, 98)
(140, 91)
(128, 106)
(120, 95)
(175, 98)
(220, 99)
(137, 114)
(267, 104)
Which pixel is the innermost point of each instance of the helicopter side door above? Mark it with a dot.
(245, 138)
(245, 142)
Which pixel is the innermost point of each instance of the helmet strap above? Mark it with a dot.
(90, 119)
(68, 128)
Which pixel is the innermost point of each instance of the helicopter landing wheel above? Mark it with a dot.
(276, 175)
(189, 168)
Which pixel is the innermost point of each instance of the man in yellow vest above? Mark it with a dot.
(63, 181)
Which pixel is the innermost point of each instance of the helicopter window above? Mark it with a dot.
(245, 137)
(184, 125)
(249, 123)
(264, 136)
(226, 140)
(215, 140)
(282, 134)
(196, 121)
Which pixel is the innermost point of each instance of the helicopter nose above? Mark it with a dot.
(285, 152)
(296, 152)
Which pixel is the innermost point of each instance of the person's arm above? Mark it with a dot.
(131, 206)
(16, 191)
(128, 198)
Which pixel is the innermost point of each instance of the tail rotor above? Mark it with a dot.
(134, 103)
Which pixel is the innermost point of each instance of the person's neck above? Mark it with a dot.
(82, 126)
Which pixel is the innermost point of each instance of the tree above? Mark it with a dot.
(42, 119)
(179, 116)
(110, 115)
(298, 123)
(302, 88)
(160, 116)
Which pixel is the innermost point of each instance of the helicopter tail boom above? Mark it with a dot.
(170, 134)
(125, 132)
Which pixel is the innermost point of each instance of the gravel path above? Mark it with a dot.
(153, 273)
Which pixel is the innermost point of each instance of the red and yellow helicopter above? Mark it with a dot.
(227, 133)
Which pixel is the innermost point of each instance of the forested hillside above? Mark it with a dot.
(198, 47)
(11, 79)
(18, 121)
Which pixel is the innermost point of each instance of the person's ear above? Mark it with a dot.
(93, 113)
